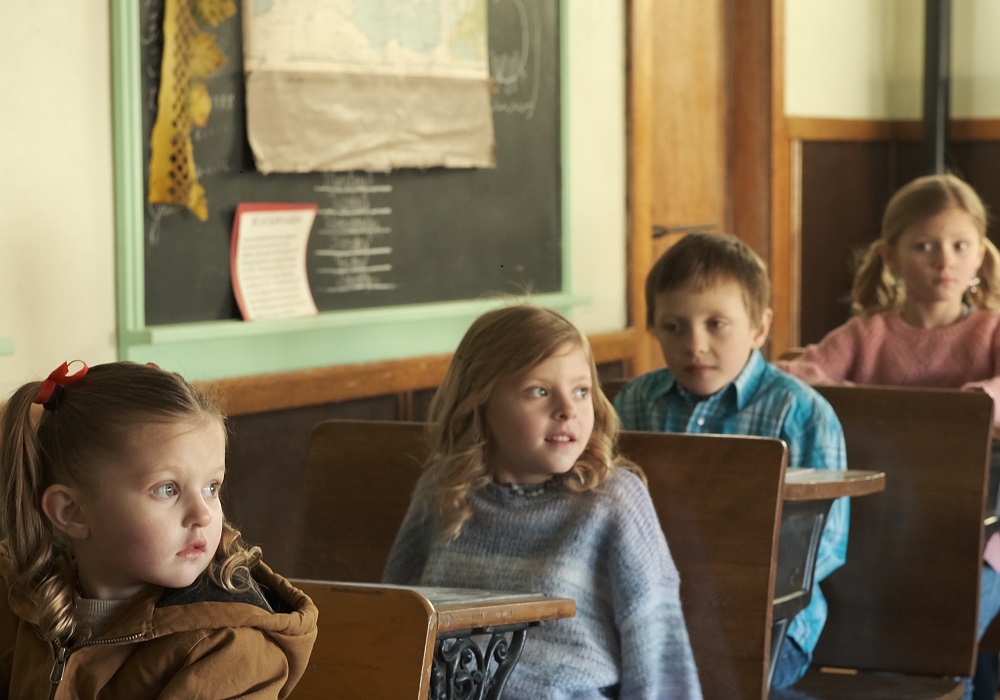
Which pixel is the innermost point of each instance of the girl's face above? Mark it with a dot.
(540, 421)
(937, 259)
(155, 517)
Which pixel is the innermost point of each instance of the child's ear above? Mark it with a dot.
(760, 335)
(61, 506)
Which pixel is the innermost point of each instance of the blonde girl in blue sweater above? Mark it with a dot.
(523, 492)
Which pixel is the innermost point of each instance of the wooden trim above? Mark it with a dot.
(784, 292)
(283, 390)
(975, 129)
(755, 89)
(829, 129)
(794, 298)
(817, 129)
(618, 346)
(640, 81)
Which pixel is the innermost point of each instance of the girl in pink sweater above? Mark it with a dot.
(925, 297)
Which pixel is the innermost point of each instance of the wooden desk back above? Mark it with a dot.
(906, 601)
(358, 480)
(372, 643)
(719, 502)
(718, 499)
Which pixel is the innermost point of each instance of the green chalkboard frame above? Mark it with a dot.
(231, 348)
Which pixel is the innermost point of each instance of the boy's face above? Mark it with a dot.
(707, 335)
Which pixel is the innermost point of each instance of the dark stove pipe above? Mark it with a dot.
(937, 79)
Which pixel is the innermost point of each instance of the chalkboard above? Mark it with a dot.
(421, 235)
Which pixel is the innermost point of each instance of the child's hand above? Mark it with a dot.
(977, 386)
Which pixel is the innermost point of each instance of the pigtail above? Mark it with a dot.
(986, 294)
(42, 562)
(874, 289)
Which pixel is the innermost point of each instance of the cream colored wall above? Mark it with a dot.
(835, 63)
(976, 59)
(56, 230)
(863, 59)
(594, 136)
(56, 218)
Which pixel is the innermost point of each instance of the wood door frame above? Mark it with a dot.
(759, 158)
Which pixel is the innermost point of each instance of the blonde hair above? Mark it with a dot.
(92, 420)
(500, 345)
(875, 290)
(702, 259)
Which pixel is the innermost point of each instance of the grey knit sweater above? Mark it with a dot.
(604, 549)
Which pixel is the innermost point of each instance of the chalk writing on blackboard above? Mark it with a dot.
(516, 58)
(354, 229)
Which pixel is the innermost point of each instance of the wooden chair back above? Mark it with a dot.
(721, 521)
(358, 480)
(719, 502)
(907, 599)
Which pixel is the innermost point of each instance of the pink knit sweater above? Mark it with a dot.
(884, 349)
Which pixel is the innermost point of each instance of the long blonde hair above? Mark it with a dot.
(500, 345)
(875, 289)
(91, 420)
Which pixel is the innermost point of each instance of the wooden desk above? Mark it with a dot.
(807, 496)
(377, 640)
(812, 484)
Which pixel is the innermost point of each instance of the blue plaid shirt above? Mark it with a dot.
(761, 401)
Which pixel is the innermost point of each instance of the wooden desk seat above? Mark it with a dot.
(722, 528)
(903, 608)
(380, 641)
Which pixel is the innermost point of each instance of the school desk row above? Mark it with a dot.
(902, 610)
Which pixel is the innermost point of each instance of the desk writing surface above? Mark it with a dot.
(464, 609)
(812, 484)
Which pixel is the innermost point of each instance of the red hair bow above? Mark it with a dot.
(51, 391)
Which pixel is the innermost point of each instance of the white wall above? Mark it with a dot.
(56, 231)
(835, 58)
(56, 198)
(976, 59)
(863, 59)
(594, 135)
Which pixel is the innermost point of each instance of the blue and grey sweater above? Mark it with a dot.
(604, 549)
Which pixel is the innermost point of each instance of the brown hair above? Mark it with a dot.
(502, 344)
(702, 259)
(93, 419)
(875, 290)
